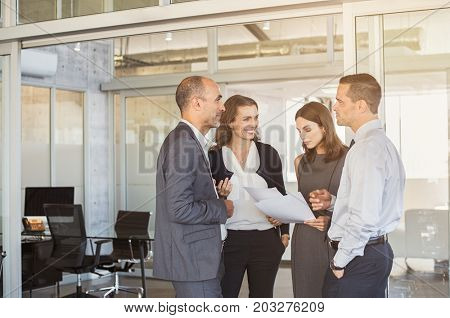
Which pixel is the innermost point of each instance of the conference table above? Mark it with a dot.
(39, 239)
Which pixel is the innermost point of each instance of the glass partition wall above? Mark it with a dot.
(1, 175)
(31, 11)
(48, 153)
(143, 120)
(411, 56)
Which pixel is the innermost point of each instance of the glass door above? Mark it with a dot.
(149, 119)
(1, 175)
(413, 64)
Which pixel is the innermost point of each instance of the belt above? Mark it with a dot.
(373, 241)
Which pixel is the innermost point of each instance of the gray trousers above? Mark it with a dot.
(202, 289)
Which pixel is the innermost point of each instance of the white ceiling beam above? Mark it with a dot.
(292, 72)
(182, 16)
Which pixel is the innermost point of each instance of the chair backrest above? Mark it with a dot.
(68, 231)
(36, 197)
(129, 224)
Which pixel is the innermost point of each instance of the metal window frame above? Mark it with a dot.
(181, 16)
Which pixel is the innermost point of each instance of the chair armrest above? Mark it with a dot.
(98, 249)
(149, 249)
(102, 241)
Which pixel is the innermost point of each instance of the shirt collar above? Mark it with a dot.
(366, 128)
(204, 142)
(252, 163)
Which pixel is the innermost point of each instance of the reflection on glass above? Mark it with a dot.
(282, 38)
(1, 161)
(416, 56)
(69, 141)
(132, 4)
(362, 45)
(36, 10)
(171, 52)
(149, 119)
(75, 8)
(35, 137)
(44, 10)
(117, 153)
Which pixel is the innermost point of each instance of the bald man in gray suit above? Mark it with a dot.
(189, 214)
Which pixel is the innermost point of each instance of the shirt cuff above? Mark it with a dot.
(333, 201)
(341, 259)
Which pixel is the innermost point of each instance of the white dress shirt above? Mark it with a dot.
(370, 197)
(206, 144)
(246, 215)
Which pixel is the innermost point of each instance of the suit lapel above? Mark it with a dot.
(191, 133)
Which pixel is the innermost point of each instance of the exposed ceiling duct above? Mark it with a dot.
(300, 46)
(257, 32)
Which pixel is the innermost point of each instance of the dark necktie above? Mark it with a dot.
(352, 143)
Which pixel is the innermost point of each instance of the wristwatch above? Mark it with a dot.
(334, 267)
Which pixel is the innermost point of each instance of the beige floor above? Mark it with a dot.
(403, 283)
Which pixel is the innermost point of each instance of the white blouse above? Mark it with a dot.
(246, 215)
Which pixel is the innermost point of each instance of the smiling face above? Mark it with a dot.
(310, 132)
(245, 122)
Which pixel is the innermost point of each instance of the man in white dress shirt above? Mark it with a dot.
(369, 202)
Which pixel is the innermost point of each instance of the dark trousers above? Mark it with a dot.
(364, 277)
(257, 252)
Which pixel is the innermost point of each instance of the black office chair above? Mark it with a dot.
(66, 225)
(126, 251)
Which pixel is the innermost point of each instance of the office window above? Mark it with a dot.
(35, 137)
(300, 40)
(414, 53)
(148, 121)
(170, 52)
(43, 10)
(52, 156)
(69, 141)
(36, 10)
(132, 4)
(1, 153)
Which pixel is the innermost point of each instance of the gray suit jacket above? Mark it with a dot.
(188, 242)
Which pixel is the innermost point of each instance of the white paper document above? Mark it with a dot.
(291, 208)
(259, 194)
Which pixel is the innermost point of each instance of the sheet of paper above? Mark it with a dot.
(259, 194)
(291, 208)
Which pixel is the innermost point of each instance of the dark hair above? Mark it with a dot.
(189, 87)
(224, 132)
(363, 87)
(320, 114)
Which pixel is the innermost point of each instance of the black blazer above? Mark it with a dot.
(270, 169)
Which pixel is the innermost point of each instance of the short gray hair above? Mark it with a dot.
(190, 86)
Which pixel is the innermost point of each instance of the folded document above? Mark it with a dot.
(291, 208)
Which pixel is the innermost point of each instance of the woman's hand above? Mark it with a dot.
(320, 200)
(224, 188)
(285, 240)
(273, 221)
(321, 223)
